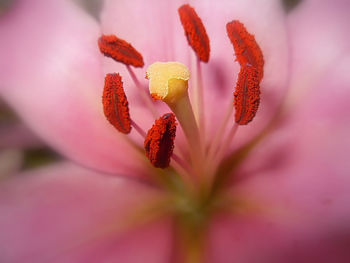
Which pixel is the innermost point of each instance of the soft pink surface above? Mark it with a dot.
(318, 38)
(18, 135)
(63, 213)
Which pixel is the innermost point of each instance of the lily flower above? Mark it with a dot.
(241, 158)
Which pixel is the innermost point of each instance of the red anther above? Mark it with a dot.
(120, 50)
(247, 95)
(159, 142)
(115, 103)
(195, 32)
(246, 48)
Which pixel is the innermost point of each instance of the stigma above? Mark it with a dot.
(168, 81)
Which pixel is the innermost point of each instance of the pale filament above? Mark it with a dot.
(200, 100)
(215, 145)
(223, 147)
(144, 94)
(138, 128)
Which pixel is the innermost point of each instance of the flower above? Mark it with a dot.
(286, 201)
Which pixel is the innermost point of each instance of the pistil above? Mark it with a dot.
(169, 83)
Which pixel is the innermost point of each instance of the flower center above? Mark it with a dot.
(194, 179)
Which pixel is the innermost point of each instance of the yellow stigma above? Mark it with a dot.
(168, 81)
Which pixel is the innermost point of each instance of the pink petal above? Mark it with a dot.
(64, 213)
(318, 41)
(52, 76)
(299, 179)
(17, 135)
(250, 239)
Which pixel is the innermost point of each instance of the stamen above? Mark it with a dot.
(179, 164)
(159, 142)
(195, 32)
(120, 50)
(246, 48)
(247, 95)
(115, 103)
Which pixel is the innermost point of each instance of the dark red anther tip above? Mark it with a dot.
(195, 32)
(247, 95)
(120, 50)
(115, 103)
(246, 48)
(159, 142)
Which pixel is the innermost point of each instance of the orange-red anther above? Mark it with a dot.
(120, 50)
(159, 142)
(195, 32)
(246, 48)
(115, 103)
(247, 95)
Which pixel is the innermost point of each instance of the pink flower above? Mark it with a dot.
(287, 196)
